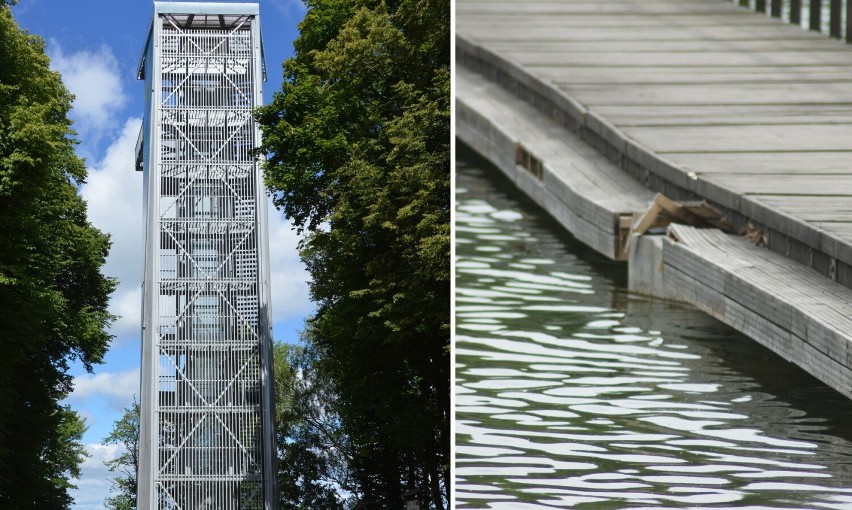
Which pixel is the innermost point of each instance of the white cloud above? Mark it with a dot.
(290, 294)
(94, 482)
(94, 77)
(117, 388)
(127, 306)
(114, 195)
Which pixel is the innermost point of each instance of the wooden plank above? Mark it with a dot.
(676, 210)
(724, 115)
(762, 267)
(779, 164)
(710, 94)
(535, 8)
(551, 143)
(579, 187)
(690, 291)
(690, 45)
(765, 299)
(842, 230)
(836, 185)
(809, 208)
(627, 19)
(533, 58)
(508, 31)
(647, 219)
(745, 138)
(625, 3)
(651, 75)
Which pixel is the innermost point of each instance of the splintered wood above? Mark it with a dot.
(663, 211)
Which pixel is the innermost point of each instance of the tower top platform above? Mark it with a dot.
(216, 8)
(188, 15)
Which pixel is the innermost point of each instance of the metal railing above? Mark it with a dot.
(830, 17)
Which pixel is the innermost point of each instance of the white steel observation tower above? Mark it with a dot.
(206, 429)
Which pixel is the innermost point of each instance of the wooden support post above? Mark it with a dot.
(760, 6)
(775, 10)
(796, 12)
(835, 21)
(816, 13)
(849, 21)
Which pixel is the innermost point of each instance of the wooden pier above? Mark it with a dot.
(699, 101)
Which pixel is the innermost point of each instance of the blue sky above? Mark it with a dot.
(96, 45)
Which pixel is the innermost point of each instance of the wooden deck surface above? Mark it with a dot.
(770, 298)
(738, 107)
(583, 190)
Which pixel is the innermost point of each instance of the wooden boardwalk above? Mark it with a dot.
(772, 299)
(585, 192)
(698, 99)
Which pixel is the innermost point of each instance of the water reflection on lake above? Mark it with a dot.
(571, 393)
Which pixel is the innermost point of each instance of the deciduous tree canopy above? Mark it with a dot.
(314, 456)
(53, 298)
(358, 144)
(125, 434)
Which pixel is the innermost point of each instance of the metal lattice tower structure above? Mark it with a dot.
(206, 429)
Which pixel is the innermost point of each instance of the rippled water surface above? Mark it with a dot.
(571, 393)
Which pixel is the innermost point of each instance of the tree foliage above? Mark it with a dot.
(53, 298)
(313, 454)
(125, 434)
(358, 158)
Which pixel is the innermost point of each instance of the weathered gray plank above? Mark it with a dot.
(717, 58)
(486, 33)
(578, 186)
(654, 75)
(830, 185)
(840, 229)
(687, 45)
(711, 94)
(597, 8)
(826, 209)
(745, 138)
(777, 163)
(553, 144)
(549, 18)
(775, 302)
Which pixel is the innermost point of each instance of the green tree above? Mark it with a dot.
(313, 455)
(358, 158)
(53, 297)
(125, 433)
(65, 449)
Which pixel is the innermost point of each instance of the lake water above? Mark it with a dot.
(573, 393)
